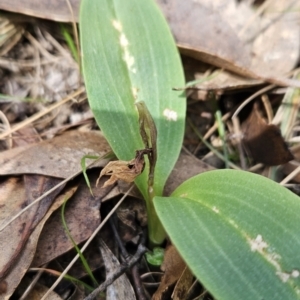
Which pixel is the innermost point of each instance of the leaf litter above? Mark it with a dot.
(58, 157)
(82, 216)
(240, 44)
(120, 288)
(172, 266)
(18, 270)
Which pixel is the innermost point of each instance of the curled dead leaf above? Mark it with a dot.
(124, 170)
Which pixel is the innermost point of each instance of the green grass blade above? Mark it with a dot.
(109, 155)
(83, 167)
(66, 277)
(238, 232)
(70, 42)
(82, 258)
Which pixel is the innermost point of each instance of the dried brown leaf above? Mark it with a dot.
(173, 267)
(183, 285)
(275, 44)
(82, 216)
(18, 270)
(58, 157)
(223, 80)
(263, 141)
(201, 31)
(123, 170)
(205, 30)
(186, 167)
(57, 10)
(16, 195)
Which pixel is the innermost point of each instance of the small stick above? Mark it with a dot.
(138, 286)
(122, 268)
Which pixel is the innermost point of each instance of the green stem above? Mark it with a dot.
(149, 135)
(156, 231)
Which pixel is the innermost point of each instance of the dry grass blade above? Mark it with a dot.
(10, 34)
(249, 99)
(40, 114)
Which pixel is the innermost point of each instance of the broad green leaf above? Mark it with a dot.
(129, 55)
(238, 232)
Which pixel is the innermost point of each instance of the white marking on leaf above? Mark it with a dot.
(171, 115)
(233, 223)
(295, 273)
(117, 25)
(123, 40)
(284, 277)
(129, 61)
(216, 210)
(134, 92)
(258, 244)
(124, 43)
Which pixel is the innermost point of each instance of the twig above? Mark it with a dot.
(138, 286)
(290, 176)
(122, 268)
(117, 237)
(33, 283)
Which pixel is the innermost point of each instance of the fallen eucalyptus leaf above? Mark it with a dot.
(58, 10)
(16, 195)
(58, 157)
(186, 167)
(273, 50)
(82, 216)
(202, 32)
(18, 270)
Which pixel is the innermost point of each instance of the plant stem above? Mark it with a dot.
(149, 136)
(156, 231)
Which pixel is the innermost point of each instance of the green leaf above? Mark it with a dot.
(155, 257)
(238, 232)
(129, 55)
